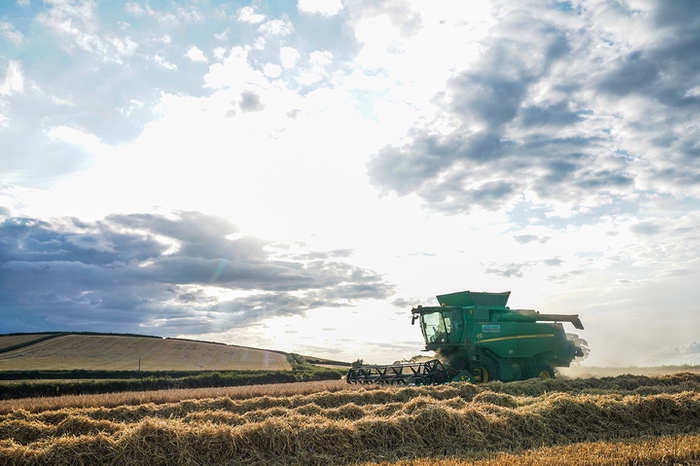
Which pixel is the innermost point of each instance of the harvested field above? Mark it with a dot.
(112, 400)
(8, 341)
(586, 372)
(521, 422)
(673, 450)
(117, 352)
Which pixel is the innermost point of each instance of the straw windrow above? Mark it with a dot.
(350, 427)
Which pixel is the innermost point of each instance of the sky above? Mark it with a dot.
(297, 175)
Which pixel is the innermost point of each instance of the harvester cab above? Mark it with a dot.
(477, 337)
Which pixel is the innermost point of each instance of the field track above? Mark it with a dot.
(540, 422)
(118, 352)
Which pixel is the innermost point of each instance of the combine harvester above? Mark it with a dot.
(478, 338)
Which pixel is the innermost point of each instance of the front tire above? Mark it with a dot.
(486, 373)
(541, 370)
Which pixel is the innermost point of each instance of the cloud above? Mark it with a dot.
(518, 270)
(691, 349)
(76, 24)
(14, 79)
(181, 15)
(272, 70)
(247, 14)
(174, 273)
(164, 62)
(250, 102)
(323, 7)
(288, 57)
(277, 27)
(195, 54)
(512, 270)
(527, 238)
(648, 228)
(9, 31)
(557, 116)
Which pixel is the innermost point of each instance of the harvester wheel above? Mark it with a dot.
(485, 376)
(486, 373)
(542, 370)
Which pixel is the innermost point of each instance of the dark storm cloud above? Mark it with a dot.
(143, 270)
(524, 119)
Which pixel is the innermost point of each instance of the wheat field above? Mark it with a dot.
(643, 420)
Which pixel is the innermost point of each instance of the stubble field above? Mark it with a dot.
(612, 420)
(123, 352)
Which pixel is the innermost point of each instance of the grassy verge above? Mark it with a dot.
(81, 382)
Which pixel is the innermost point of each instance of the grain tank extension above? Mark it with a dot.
(477, 337)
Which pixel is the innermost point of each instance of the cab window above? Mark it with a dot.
(442, 327)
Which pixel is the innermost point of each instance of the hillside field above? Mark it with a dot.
(124, 352)
(623, 420)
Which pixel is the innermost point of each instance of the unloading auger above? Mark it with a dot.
(477, 337)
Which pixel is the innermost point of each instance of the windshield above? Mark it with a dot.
(442, 327)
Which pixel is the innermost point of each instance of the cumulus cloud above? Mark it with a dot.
(194, 53)
(272, 70)
(568, 111)
(691, 349)
(277, 27)
(288, 57)
(14, 79)
(173, 272)
(247, 14)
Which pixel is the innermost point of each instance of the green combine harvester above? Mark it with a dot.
(476, 337)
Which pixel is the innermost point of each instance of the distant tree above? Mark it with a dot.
(416, 358)
(358, 363)
(581, 343)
